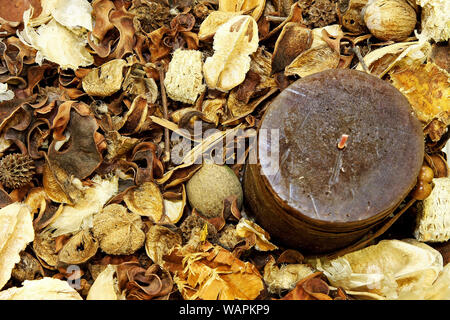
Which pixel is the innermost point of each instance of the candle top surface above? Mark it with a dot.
(349, 146)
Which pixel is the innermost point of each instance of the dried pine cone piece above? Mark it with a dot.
(318, 13)
(16, 170)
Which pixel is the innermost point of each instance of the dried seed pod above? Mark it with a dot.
(16, 170)
(79, 249)
(390, 20)
(349, 12)
(160, 241)
(118, 230)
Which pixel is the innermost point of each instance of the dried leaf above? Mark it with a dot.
(43, 289)
(213, 273)
(246, 228)
(234, 41)
(16, 231)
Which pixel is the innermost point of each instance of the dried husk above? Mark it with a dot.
(43, 289)
(145, 200)
(118, 230)
(105, 286)
(79, 248)
(433, 219)
(160, 241)
(246, 228)
(105, 80)
(391, 269)
(435, 22)
(16, 231)
(256, 7)
(234, 41)
(214, 20)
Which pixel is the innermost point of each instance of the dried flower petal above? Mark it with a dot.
(16, 231)
(246, 228)
(105, 286)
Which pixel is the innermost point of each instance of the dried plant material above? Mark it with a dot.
(427, 88)
(79, 249)
(70, 51)
(45, 248)
(434, 20)
(292, 41)
(173, 209)
(70, 13)
(105, 80)
(214, 20)
(118, 230)
(284, 277)
(160, 241)
(58, 186)
(136, 83)
(253, 7)
(105, 286)
(16, 231)
(145, 200)
(80, 216)
(16, 170)
(5, 93)
(28, 268)
(234, 41)
(213, 273)
(433, 220)
(219, 182)
(184, 79)
(246, 228)
(350, 16)
(43, 289)
(319, 57)
(388, 270)
(310, 288)
(81, 155)
(318, 13)
(118, 145)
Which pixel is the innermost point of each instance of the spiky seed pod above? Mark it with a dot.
(16, 170)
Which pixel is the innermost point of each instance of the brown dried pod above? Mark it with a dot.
(79, 249)
(28, 268)
(349, 12)
(390, 20)
(160, 241)
(16, 170)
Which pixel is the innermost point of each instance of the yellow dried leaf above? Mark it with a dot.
(16, 231)
(246, 228)
(213, 273)
(145, 200)
(427, 88)
(234, 41)
(43, 289)
(105, 80)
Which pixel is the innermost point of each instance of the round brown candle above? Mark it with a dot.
(350, 149)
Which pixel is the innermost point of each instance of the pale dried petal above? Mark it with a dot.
(210, 25)
(256, 7)
(145, 200)
(42, 289)
(234, 41)
(390, 269)
(73, 13)
(56, 43)
(433, 220)
(105, 286)
(5, 94)
(246, 228)
(79, 216)
(16, 231)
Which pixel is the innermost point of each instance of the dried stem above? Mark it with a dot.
(166, 156)
(356, 50)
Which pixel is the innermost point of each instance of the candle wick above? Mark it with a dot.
(342, 141)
